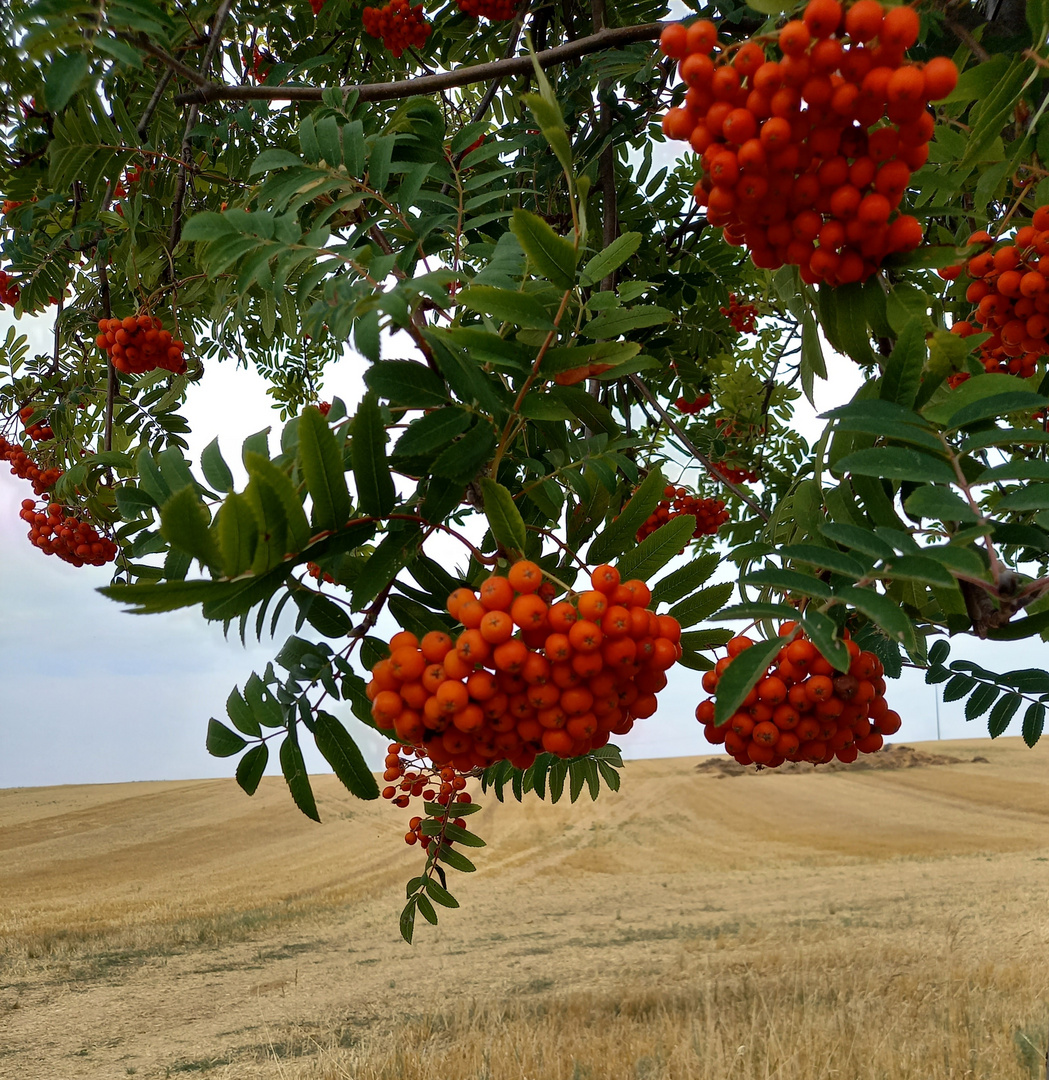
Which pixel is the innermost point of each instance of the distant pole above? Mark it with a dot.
(936, 698)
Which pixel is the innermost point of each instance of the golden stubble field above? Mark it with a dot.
(880, 925)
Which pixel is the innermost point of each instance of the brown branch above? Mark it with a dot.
(965, 37)
(430, 84)
(714, 471)
(191, 119)
(111, 384)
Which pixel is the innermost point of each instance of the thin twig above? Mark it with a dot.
(429, 84)
(714, 471)
(965, 37)
(154, 101)
(111, 384)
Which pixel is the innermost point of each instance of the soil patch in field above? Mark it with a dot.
(893, 756)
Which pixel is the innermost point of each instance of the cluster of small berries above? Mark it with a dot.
(710, 514)
(9, 291)
(138, 343)
(9, 206)
(316, 572)
(493, 10)
(692, 407)
(1010, 287)
(742, 316)
(324, 407)
(259, 65)
(797, 164)
(526, 675)
(317, 5)
(578, 374)
(72, 540)
(398, 24)
(22, 465)
(38, 432)
(738, 474)
(802, 709)
(417, 777)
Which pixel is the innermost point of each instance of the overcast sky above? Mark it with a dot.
(91, 694)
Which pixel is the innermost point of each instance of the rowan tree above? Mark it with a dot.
(589, 258)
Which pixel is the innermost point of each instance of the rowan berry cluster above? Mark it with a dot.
(417, 777)
(9, 291)
(526, 676)
(72, 540)
(317, 5)
(324, 407)
(316, 572)
(696, 405)
(38, 432)
(138, 343)
(802, 709)
(22, 465)
(493, 10)
(1010, 287)
(398, 24)
(9, 206)
(742, 316)
(798, 162)
(736, 473)
(710, 514)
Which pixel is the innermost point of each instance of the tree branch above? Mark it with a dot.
(676, 428)
(429, 84)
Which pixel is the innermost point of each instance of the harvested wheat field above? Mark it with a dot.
(882, 924)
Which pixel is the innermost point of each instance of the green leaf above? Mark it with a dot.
(238, 534)
(376, 494)
(322, 469)
(939, 503)
(185, 523)
(1003, 712)
(251, 767)
(917, 568)
(703, 604)
(456, 834)
(440, 895)
(621, 533)
(824, 559)
(221, 741)
(466, 457)
(996, 405)
(852, 536)
(239, 711)
(133, 502)
(265, 474)
(209, 226)
(957, 687)
(1034, 497)
(403, 382)
(323, 614)
(657, 549)
(1021, 628)
(407, 920)
(507, 306)
(980, 700)
(824, 634)
(214, 467)
(975, 390)
(64, 76)
(548, 116)
(1034, 721)
(609, 260)
(896, 463)
(741, 676)
(455, 859)
(150, 478)
(618, 320)
(552, 256)
(274, 158)
(879, 609)
(903, 369)
(938, 652)
(294, 768)
(504, 518)
(385, 563)
(344, 756)
(682, 581)
(789, 581)
(433, 431)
